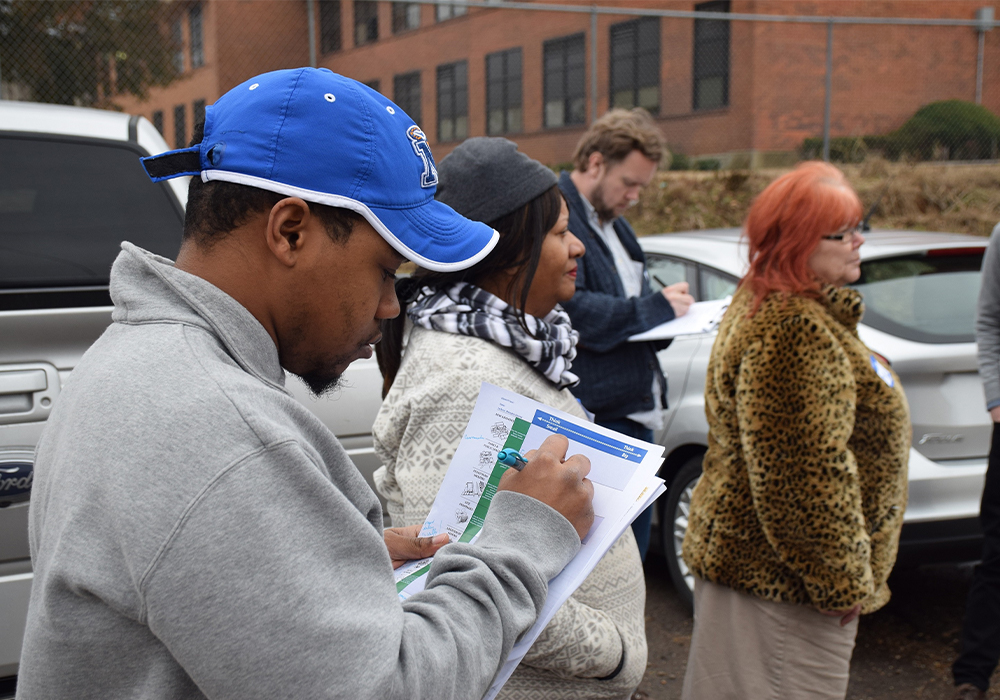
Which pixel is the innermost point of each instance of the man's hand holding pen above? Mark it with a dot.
(556, 481)
(678, 296)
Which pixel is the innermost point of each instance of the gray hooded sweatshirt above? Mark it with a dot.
(198, 533)
(988, 322)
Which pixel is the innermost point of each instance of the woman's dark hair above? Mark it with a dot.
(522, 233)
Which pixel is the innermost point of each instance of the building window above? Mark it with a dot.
(453, 101)
(503, 92)
(375, 85)
(405, 16)
(177, 36)
(711, 58)
(197, 37)
(199, 112)
(443, 12)
(365, 22)
(406, 93)
(329, 26)
(158, 120)
(565, 81)
(180, 127)
(635, 64)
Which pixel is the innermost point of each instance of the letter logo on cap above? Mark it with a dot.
(429, 178)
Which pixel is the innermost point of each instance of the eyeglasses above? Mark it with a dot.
(845, 236)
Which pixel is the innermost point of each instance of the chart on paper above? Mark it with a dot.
(615, 473)
(504, 420)
(623, 471)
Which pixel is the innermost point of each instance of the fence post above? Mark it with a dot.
(593, 63)
(311, 11)
(984, 16)
(829, 90)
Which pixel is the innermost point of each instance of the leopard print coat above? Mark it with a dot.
(805, 478)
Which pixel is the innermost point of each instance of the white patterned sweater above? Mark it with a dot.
(420, 425)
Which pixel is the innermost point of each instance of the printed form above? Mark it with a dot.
(623, 471)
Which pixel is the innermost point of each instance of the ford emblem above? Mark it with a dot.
(15, 482)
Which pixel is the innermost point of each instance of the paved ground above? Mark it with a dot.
(904, 650)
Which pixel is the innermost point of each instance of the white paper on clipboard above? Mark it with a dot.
(701, 317)
(623, 473)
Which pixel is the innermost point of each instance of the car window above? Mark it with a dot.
(664, 271)
(715, 284)
(928, 297)
(66, 206)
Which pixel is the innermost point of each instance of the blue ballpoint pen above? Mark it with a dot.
(511, 458)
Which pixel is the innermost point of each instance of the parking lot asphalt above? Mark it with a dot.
(904, 650)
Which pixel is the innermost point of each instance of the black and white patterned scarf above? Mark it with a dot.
(463, 308)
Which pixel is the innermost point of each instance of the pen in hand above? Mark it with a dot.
(677, 294)
(511, 458)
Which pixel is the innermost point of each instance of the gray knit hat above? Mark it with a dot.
(485, 178)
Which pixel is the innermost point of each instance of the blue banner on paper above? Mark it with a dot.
(629, 453)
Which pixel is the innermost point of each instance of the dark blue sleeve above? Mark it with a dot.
(605, 321)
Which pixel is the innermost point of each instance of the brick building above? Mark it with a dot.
(743, 92)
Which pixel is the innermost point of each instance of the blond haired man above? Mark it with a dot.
(620, 382)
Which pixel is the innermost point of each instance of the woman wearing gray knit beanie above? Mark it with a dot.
(500, 321)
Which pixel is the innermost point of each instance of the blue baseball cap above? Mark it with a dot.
(331, 140)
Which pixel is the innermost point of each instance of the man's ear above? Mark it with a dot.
(595, 163)
(287, 226)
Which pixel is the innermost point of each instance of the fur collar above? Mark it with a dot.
(844, 304)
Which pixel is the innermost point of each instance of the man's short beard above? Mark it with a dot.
(322, 377)
(320, 374)
(322, 382)
(604, 213)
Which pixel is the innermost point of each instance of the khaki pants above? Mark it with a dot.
(745, 648)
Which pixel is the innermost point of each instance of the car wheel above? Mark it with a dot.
(673, 525)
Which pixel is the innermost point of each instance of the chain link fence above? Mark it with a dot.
(910, 93)
(85, 53)
(729, 89)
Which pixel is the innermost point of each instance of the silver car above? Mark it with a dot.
(920, 292)
(71, 189)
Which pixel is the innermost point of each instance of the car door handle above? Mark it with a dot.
(23, 382)
(27, 392)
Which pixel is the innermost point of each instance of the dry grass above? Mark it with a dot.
(922, 196)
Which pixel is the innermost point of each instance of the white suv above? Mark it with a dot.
(71, 189)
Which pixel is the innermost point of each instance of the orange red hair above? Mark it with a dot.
(786, 223)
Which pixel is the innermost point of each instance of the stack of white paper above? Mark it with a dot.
(623, 471)
(701, 317)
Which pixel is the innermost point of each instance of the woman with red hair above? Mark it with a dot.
(795, 522)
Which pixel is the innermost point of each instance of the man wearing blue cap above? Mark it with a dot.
(196, 532)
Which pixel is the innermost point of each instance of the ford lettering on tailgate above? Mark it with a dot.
(15, 482)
